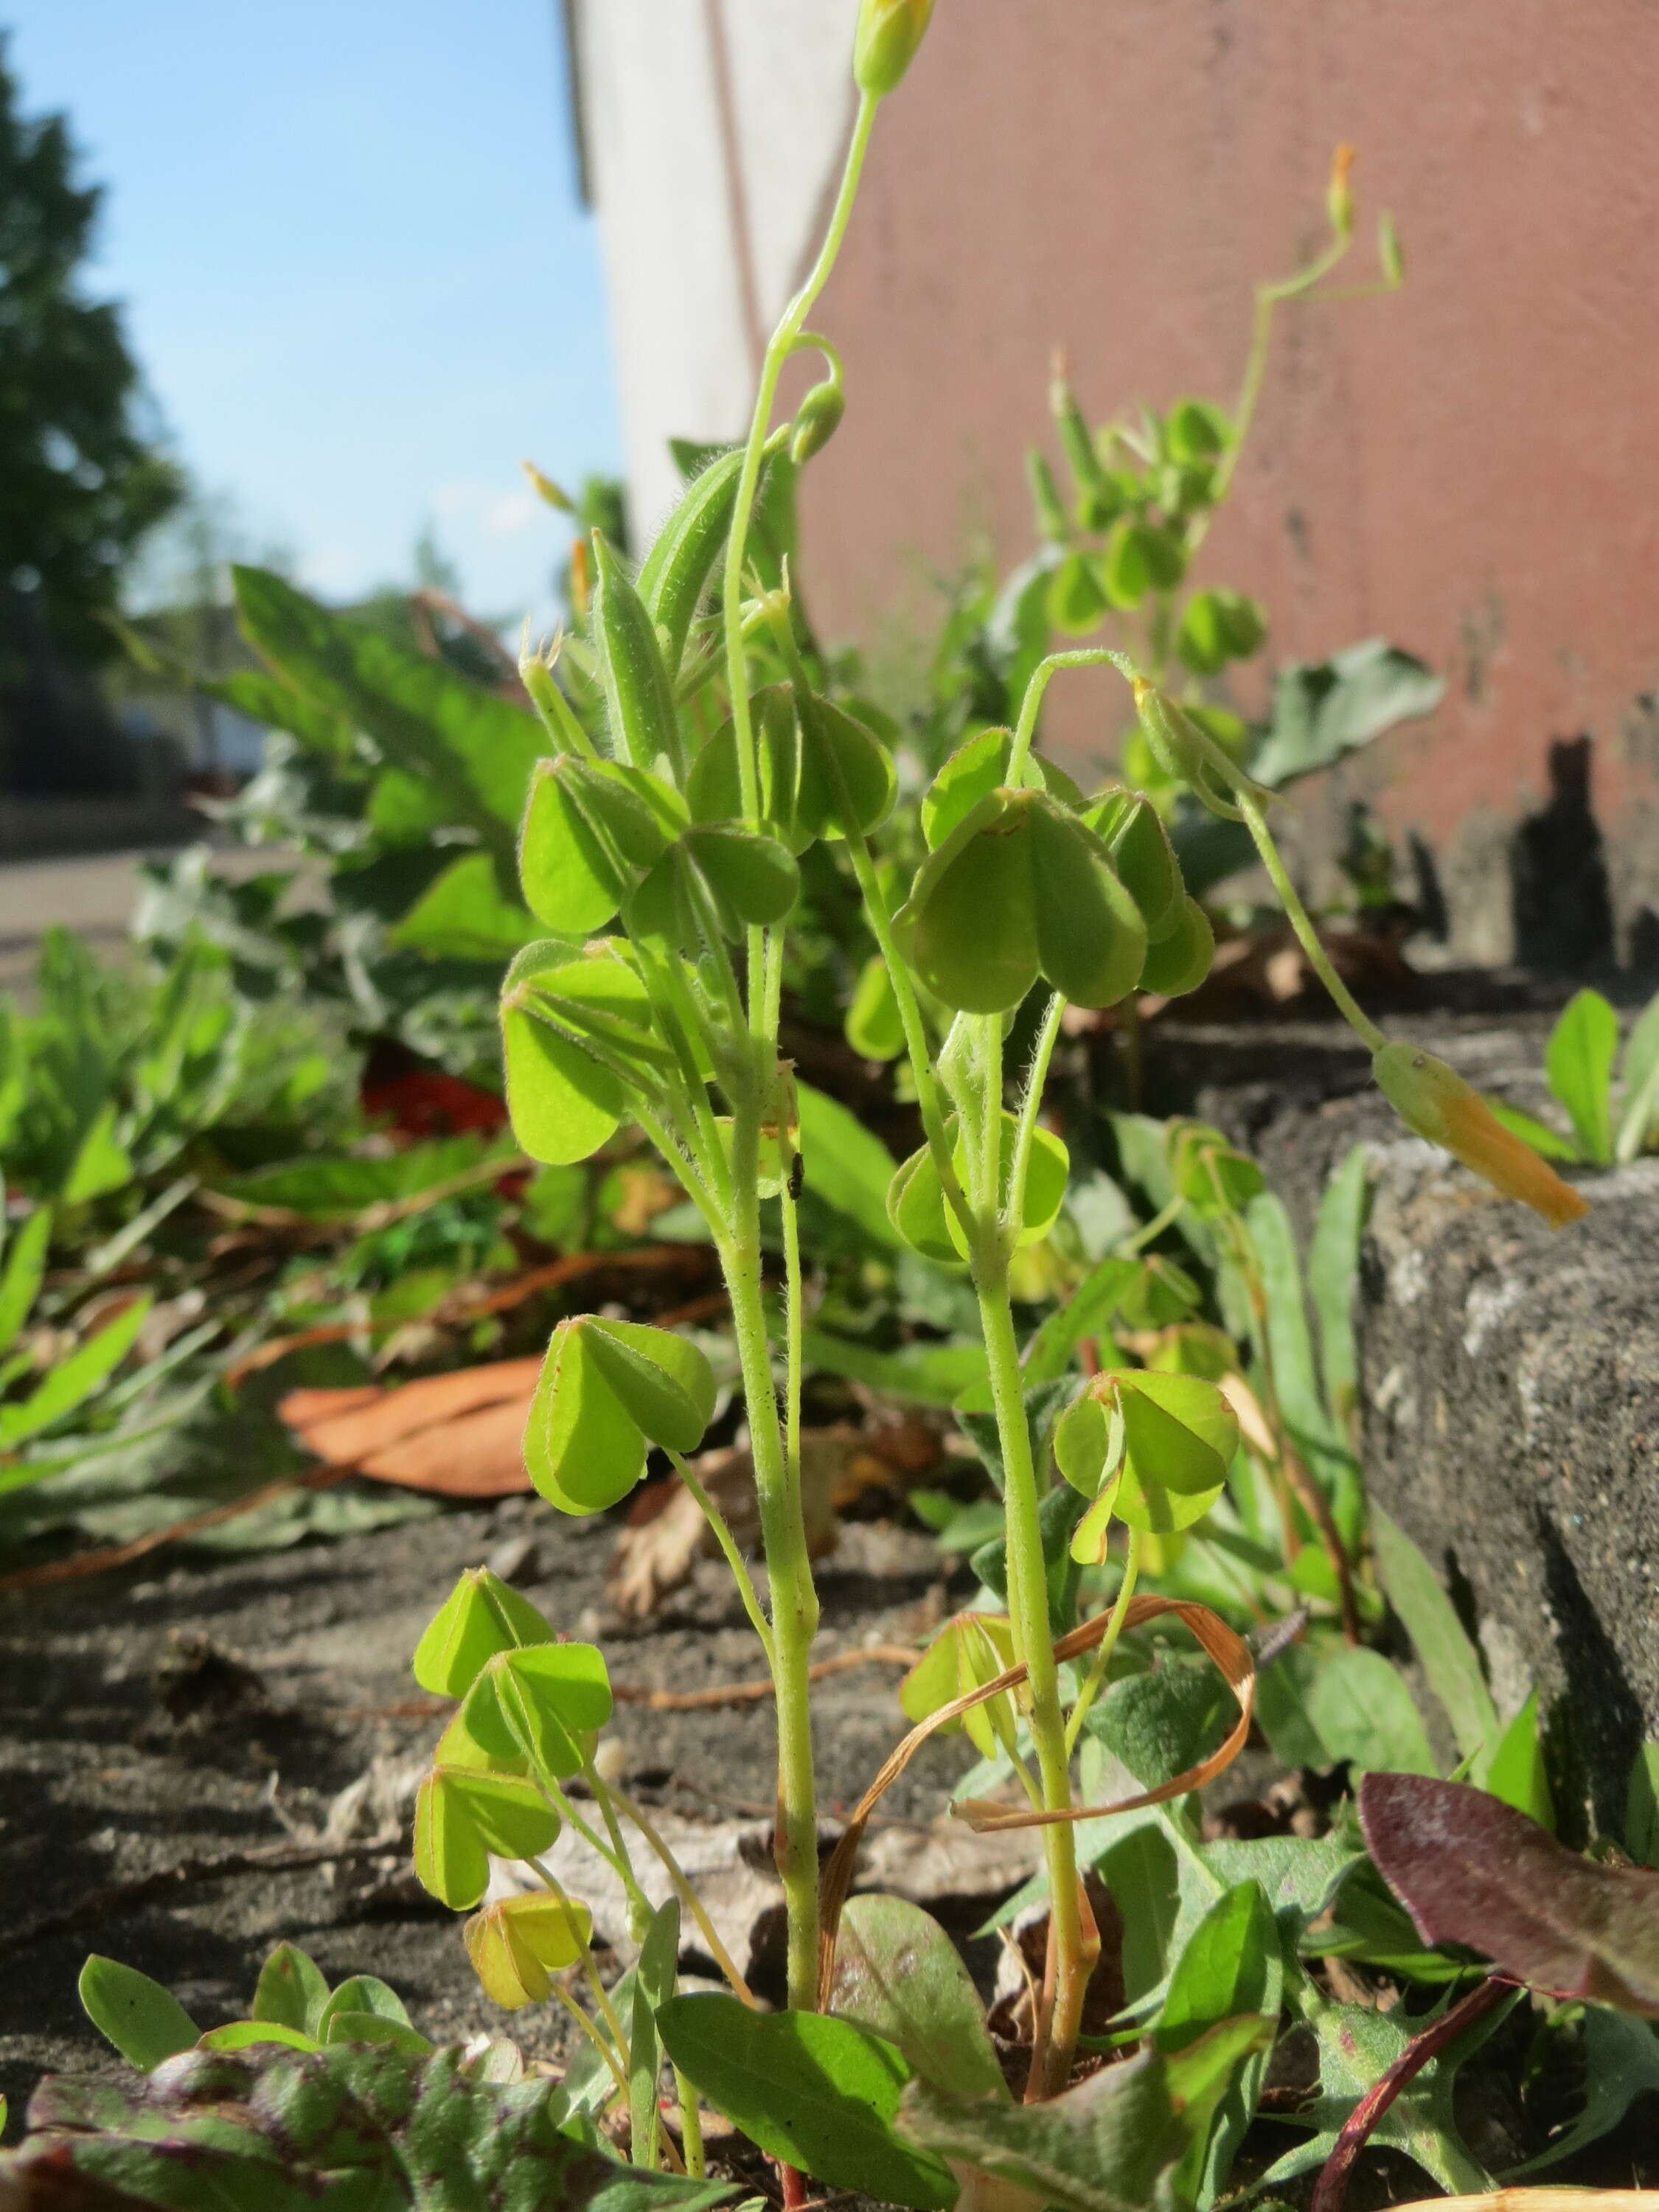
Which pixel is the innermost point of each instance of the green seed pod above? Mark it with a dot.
(1179, 962)
(816, 420)
(637, 686)
(674, 572)
(886, 42)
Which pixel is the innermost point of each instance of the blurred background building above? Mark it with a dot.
(1469, 468)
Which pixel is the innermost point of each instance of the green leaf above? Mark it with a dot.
(462, 1815)
(1362, 1710)
(558, 1015)
(924, 1374)
(818, 2093)
(753, 877)
(1356, 2047)
(464, 916)
(1159, 1725)
(1642, 1808)
(1181, 959)
(481, 1616)
(475, 748)
(653, 1986)
(1449, 1659)
(1077, 597)
(26, 1268)
(1538, 1134)
(291, 1990)
(1087, 1312)
(145, 2022)
(1517, 1773)
(100, 1162)
(1578, 1060)
(874, 1027)
(382, 2129)
(845, 1163)
(326, 1188)
(1326, 710)
(571, 877)
(1333, 1275)
(898, 1974)
(1230, 1967)
(1621, 2063)
(549, 1696)
(74, 1380)
(977, 768)
(1179, 1438)
(1641, 1072)
(1100, 2146)
(246, 2034)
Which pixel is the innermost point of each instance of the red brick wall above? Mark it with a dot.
(1470, 468)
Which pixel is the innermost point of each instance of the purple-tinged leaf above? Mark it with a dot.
(1470, 1869)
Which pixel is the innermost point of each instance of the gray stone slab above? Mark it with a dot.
(1510, 1381)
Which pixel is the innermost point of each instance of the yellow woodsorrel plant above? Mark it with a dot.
(664, 861)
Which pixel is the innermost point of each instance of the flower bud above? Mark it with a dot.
(544, 488)
(816, 420)
(1338, 193)
(1434, 1101)
(886, 42)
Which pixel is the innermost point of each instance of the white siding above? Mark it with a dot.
(672, 217)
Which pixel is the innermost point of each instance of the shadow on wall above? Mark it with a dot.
(1560, 898)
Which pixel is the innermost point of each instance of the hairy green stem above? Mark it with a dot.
(794, 1599)
(734, 1559)
(782, 340)
(1027, 1610)
(1031, 1105)
(1102, 1659)
(1086, 656)
(690, 2127)
(600, 2042)
(1318, 960)
(687, 1895)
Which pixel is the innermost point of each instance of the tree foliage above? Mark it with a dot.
(83, 484)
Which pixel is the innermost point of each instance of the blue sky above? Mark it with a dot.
(355, 269)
